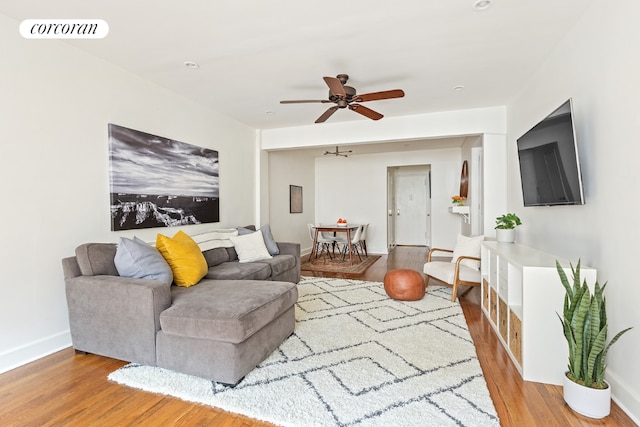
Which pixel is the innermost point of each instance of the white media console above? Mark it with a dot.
(521, 294)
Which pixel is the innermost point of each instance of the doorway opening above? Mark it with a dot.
(408, 206)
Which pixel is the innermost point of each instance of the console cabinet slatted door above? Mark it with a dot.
(515, 337)
(485, 294)
(503, 317)
(493, 306)
(524, 294)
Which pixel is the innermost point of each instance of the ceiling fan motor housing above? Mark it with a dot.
(343, 101)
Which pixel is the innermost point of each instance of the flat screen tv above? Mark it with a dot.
(549, 165)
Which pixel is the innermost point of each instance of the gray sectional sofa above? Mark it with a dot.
(218, 329)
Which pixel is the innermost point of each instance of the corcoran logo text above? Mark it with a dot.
(64, 29)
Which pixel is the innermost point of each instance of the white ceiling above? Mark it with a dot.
(254, 53)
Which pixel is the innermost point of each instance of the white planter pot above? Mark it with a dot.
(507, 235)
(586, 401)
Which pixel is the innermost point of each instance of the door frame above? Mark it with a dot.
(392, 207)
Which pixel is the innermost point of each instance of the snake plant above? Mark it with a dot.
(585, 327)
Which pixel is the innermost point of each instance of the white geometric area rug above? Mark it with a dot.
(357, 358)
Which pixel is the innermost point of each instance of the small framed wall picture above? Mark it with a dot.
(295, 199)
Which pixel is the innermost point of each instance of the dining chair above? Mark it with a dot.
(363, 239)
(355, 242)
(322, 243)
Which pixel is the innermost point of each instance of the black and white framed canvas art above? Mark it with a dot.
(159, 182)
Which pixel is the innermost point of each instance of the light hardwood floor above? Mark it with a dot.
(66, 389)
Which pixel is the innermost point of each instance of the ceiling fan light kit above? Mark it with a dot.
(338, 152)
(346, 97)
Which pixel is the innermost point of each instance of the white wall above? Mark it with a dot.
(597, 64)
(286, 168)
(355, 188)
(54, 176)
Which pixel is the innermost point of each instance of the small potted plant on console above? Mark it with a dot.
(584, 323)
(506, 227)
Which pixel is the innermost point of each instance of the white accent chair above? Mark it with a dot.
(463, 269)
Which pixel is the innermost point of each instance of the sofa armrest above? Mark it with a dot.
(289, 248)
(116, 316)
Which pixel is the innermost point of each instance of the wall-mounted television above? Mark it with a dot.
(549, 164)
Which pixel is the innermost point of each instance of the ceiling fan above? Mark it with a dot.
(345, 97)
(338, 152)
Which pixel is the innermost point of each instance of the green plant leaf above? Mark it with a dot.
(578, 326)
(594, 345)
(614, 339)
(571, 341)
(564, 280)
(507, 221)
(575, 274)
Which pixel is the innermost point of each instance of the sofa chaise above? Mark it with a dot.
(218, 329)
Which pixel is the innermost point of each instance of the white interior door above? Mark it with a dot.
(412, 205)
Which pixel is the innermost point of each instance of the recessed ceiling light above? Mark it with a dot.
(458, 88)
(480, 5)
(192, 65)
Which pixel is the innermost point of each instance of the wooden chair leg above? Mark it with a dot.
(454, 292)
(325, 247)
(353, 247)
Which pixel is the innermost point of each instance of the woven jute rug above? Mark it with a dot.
(356, 358)
(336, 264)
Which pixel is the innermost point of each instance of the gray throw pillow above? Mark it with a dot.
(137, 259)
(269, 241)
(244, 230)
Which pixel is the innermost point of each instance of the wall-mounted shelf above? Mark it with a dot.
(461, 210)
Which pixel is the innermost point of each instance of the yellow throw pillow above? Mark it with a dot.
(184, 257)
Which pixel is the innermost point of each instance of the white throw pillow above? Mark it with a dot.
(220, 238)
(468, 246)
(250, 247)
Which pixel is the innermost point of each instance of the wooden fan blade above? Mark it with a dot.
(326, 114)
(303, 101)
(335, 86)
(374, 96)
(367, 112)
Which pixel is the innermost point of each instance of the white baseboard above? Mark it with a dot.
(35, 350)
(624, 397)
